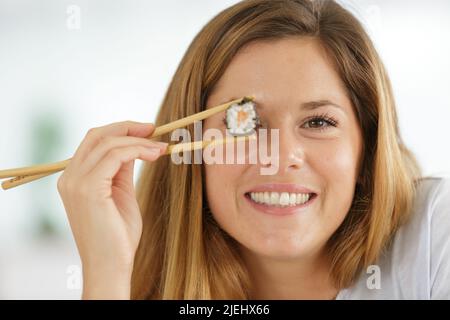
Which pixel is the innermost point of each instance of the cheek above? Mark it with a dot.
(337, 164)
(221, 186)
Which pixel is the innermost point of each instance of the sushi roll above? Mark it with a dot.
(241, 118)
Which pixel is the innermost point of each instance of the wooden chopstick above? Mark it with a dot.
(57, 166)
(35, 170)
(188, 146)
(192, 118)
(19, 180)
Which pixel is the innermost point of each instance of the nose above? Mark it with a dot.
(290, 155)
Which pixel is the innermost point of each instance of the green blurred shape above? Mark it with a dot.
(46, 141)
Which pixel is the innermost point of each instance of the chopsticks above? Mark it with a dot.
(28, 174)
(189, 146)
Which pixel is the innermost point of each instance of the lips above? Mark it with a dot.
(280, 199)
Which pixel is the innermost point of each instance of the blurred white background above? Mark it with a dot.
(59, 78)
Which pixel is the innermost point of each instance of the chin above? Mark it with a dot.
(281, 247)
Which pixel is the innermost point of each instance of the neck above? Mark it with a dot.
(306, 278)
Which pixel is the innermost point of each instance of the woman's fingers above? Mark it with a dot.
(111, 142)
(108, 167)
(98, 194)
(94, 135)
(123, 180)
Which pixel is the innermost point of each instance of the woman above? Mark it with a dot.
(368, 226)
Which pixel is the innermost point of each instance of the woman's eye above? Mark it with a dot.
(320, 122)
(316, 123)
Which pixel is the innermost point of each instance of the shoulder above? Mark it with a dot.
(433, 196)
(438, 207)
(430, 211)
(419, 256)
(430, 216)
(416, 265)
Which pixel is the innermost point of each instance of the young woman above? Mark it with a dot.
(367, 225)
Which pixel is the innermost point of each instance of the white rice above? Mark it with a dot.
(238, 126)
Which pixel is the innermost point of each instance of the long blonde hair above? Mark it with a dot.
(183, 253)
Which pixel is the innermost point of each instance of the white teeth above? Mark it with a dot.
(282, 199)
(292, 199)
(274, 198)
(266, 197)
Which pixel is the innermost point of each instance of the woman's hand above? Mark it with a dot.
(99, 197)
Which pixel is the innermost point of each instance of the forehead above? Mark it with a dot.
(293, 68)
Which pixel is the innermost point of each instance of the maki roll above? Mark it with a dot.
(241, 118)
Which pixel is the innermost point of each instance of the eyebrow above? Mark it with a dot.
(311, 105)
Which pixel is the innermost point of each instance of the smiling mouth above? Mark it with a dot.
(280, 199)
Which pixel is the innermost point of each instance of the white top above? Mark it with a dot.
(417, 263)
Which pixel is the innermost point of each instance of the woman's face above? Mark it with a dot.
(299, 92)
